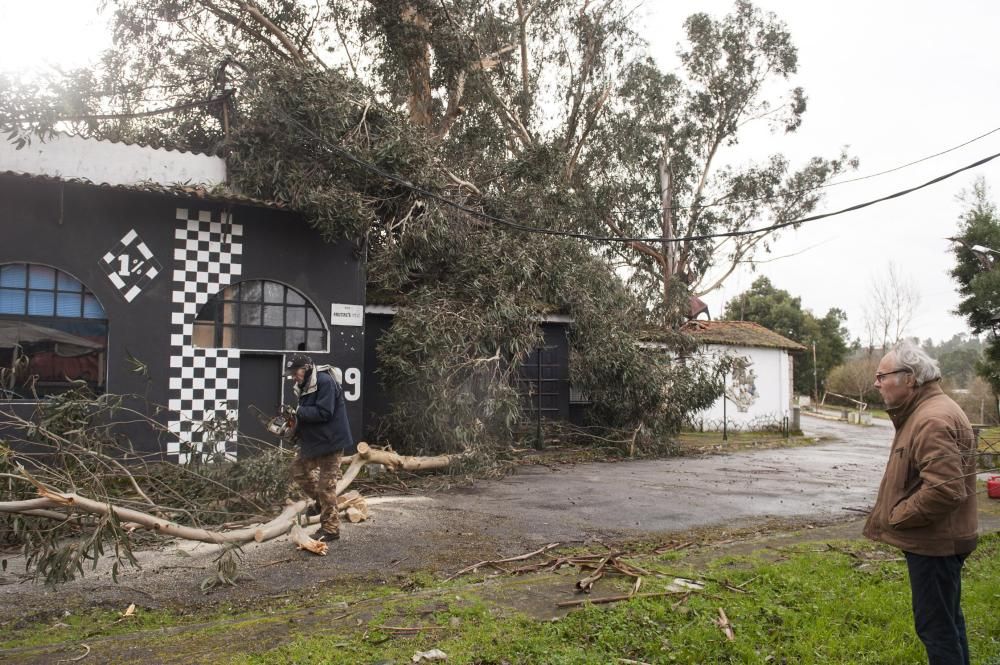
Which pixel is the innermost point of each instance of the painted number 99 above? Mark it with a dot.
(351, 381)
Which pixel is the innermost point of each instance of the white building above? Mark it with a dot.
(759, 388)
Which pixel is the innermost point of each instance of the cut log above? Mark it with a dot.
(354, 506)
(396, 462)
(368, 455)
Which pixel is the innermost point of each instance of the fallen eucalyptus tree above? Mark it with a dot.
(72, 492)
(59, 505)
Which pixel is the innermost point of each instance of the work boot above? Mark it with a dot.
(313, 510)
(325, 536)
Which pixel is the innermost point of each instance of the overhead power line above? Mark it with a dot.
(806, 190)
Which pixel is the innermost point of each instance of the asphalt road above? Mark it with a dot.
(841, 472)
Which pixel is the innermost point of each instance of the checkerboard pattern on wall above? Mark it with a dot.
(204, 383)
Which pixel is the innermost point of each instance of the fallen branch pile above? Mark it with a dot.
(59, 505)
(598, 566)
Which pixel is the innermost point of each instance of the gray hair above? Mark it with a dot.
(922, 366)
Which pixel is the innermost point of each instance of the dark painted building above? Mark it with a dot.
(143, 287)
(543, 381)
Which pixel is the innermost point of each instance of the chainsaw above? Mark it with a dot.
(282, 425)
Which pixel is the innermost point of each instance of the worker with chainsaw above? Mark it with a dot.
(323, 435)
(926, 504)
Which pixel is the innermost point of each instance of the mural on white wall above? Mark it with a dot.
(742, 389)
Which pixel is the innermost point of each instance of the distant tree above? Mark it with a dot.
(892, 301)
(978, 274)
(855, 378)
(957, 357)
(976, 399)
(777, 310)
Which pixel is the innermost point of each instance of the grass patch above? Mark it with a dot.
(835, 603)
(810, 603)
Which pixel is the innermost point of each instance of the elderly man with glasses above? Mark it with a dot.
(926, 503)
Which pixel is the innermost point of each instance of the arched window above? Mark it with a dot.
(260, 315)
(53, 331)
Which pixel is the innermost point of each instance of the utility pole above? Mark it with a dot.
(815, 377)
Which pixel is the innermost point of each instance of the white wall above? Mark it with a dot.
(104, 162)
(772, 380)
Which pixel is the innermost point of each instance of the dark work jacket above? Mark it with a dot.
(322, 418)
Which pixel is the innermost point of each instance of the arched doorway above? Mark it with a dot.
(264, 319)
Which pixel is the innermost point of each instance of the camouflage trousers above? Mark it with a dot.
(317, 477)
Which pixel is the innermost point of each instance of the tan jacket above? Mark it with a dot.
(927, 500)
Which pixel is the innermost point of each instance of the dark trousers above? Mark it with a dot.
(936, 592)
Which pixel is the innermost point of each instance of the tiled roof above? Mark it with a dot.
(738, 333)
(182, 190)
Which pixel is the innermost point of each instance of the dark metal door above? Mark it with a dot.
(543, 380)
(260, 389)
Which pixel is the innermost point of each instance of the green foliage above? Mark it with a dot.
(777, 310)
(663, 145)
(957, 358)
(227, 571)
(72, 444)
(979, 284)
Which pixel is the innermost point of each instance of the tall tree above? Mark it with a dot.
(668, 175)
(777, 310)
(892, 301)
(977, 272)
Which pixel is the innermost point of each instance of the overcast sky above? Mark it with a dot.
(894, 80)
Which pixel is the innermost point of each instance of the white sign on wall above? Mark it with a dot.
(347, 315)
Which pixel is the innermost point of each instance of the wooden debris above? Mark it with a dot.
(680, 584)
(57, 505)
(520, 557)
(354, 505)
(587, 582)
(614, 599)
(298, 536)
(723, 623)
(672, 547)
(76, 658)
(407, 629)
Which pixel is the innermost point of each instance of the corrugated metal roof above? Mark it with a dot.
(738, 333)
(181, 190)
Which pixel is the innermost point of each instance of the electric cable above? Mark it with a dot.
(839, 182)
(374, 168)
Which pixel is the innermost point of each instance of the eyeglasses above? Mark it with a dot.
(880, 376)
